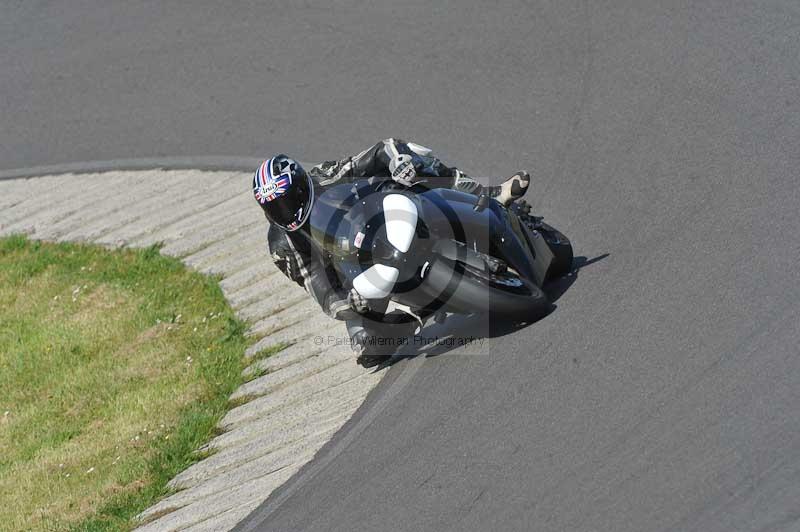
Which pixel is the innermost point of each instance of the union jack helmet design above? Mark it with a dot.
(284, 191)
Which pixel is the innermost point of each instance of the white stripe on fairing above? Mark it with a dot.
(401, 220)
(376, 282)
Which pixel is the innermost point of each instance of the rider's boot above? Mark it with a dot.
(375, 342)
(366, 344)
(366, 360)
(512, 188)
(368, 352)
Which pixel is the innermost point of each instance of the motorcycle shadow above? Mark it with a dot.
(465, 334)
(557, 288)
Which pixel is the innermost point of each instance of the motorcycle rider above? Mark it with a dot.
(285, 191)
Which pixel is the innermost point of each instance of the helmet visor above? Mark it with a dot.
(290, 209)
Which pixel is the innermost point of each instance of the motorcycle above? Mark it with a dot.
(438, 251)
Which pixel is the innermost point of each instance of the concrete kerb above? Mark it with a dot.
(203, 162)
(302, 409)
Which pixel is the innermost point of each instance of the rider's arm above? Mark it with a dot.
(374, 162)
(311, 272)
(283, 254)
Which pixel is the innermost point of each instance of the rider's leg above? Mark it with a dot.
(365, 337)
(506, 193)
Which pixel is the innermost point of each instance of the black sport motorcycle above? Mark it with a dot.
(436, 251)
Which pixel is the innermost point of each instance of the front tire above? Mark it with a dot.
(461, 289)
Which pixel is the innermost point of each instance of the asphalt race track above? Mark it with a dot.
(663, 392)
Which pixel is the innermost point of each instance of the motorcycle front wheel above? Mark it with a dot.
(464, 289)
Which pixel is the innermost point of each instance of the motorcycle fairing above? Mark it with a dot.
(352, 225)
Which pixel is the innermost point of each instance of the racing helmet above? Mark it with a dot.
(285, 192)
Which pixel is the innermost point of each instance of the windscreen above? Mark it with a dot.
(333, 219)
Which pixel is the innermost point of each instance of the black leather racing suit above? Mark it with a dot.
(298, 258)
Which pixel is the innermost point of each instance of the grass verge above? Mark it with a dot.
(114, 367)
